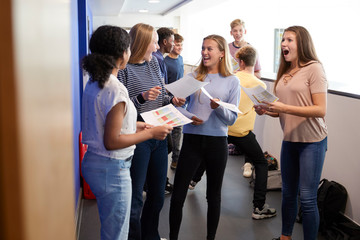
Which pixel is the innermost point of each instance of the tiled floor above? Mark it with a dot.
(235, 221)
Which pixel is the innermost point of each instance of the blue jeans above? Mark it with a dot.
(109, 180)
(150, 163)
(301, 167)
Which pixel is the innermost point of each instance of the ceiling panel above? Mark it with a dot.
(116, 7)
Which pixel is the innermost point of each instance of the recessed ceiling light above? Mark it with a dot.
(154, 1)
(143, 10)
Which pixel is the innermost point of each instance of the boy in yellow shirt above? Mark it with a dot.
(240, 134)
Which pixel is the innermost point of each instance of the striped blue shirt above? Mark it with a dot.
(139, 78)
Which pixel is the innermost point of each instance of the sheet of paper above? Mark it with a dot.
(226, 105)
(235, 65)
(258, 95)
(185, 86)
(165, 115)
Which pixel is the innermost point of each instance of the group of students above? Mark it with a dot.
(126, 80)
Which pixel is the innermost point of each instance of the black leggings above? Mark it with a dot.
(248, 145)
(195, 149)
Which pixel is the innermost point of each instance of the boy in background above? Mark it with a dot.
(166, 44)
(240, 134)
(238, 31)
(175, 70)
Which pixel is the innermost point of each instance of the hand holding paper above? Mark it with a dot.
(185, 86)
(259, 95)
(165, 115)
(229, 106)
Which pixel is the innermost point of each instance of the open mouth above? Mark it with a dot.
(285, 52)
(206, 58)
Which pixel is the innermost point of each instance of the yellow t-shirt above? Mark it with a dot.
(246, 121)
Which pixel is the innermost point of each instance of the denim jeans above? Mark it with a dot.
(195, 149)
(301, 167)
(150, 164)
(109, 180)
(176, 137)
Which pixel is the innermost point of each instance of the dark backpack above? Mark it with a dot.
(343, 230)
(331, 200)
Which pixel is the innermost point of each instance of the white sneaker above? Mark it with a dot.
(247, 170)
(162, 238)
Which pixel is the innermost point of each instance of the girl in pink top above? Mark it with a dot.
(301, 86)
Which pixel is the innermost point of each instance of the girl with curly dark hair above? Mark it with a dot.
(110, 130)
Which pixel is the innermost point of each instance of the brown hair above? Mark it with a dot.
(247, 54)
(305, 50)
(141, 36)
(178, 37)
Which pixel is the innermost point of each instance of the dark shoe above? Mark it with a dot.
(266, 212)
(169, 187)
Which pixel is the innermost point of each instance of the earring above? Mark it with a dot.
(220, 59)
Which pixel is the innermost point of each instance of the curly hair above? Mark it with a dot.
(164, 33)
(107, 45)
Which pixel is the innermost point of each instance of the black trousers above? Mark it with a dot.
(213, 151)
(251, 148)
(253, 152)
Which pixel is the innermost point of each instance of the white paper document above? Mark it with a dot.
(259, 95)
(165, 115)
(226, 105)
(185, 86)
(235, 65)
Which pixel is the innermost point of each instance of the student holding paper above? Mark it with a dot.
(301, 86)
(110, 130)
(206, 138)
(240, 134)
(143, 80)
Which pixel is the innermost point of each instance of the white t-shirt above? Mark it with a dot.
(96, 104)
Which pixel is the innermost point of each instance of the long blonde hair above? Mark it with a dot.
(305, 50)
(141, 36)
(224, 65)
